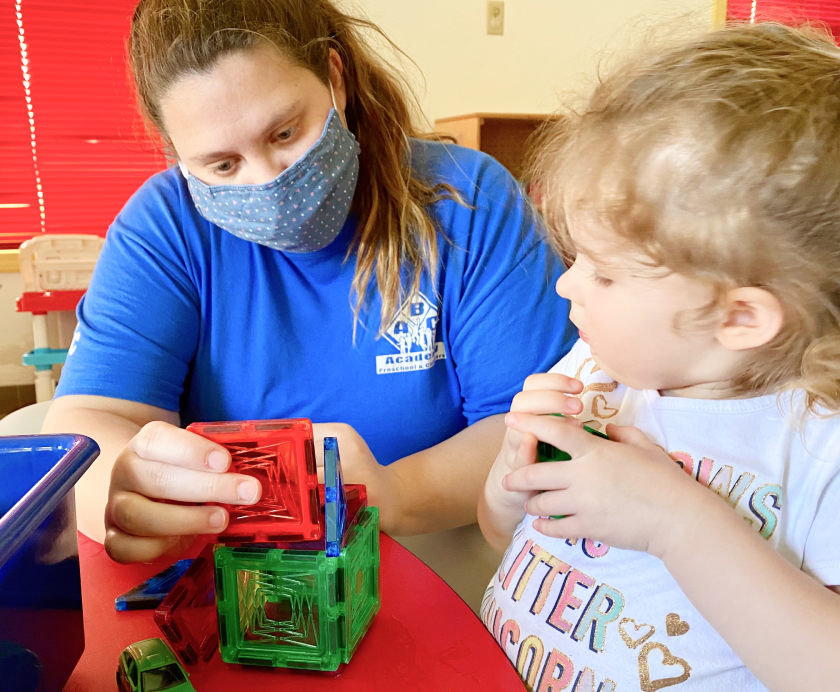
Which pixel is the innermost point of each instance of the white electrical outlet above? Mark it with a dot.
(495, 18)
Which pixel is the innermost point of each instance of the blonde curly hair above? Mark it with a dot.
(720, 159)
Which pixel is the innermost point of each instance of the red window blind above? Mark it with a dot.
(72, 143)
(787, 11)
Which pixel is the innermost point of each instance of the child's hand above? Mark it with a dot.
(625, 491)
(501, 509)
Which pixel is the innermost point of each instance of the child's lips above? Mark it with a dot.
(583, 336)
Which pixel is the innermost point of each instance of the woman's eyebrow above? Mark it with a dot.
(286, 114)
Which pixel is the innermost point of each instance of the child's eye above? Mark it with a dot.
(602, 280)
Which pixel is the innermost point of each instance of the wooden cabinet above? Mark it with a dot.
(503, 136)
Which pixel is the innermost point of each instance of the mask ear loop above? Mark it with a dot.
(335, 107)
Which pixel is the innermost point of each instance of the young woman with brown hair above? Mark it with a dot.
(314, 256)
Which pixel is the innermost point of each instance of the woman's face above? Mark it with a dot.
(250, 118)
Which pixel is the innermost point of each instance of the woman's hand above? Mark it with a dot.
(625, 492)
(161, 467)
(358, 465)
(501, 508)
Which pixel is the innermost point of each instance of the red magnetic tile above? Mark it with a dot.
(187, 616)
(281, 455)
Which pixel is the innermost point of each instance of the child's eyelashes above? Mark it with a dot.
(602, 280)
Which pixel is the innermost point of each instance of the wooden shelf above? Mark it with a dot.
(502, 135)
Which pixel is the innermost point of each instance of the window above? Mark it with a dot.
(787, 11)
(73, 144)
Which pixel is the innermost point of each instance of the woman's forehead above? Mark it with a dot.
(242, 95)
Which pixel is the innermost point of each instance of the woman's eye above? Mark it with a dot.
(285, 135)
(223, 167)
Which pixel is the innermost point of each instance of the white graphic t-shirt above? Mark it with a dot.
(585, 617)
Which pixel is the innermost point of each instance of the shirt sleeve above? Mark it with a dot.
(138, 323)
(821, 557)
(508, 321)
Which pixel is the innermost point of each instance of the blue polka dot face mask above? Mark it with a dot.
(303, 209)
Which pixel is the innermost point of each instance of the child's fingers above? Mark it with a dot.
(545, 401)
(553, 503)
(549, 475)
(564, 433)
(526, 452)
(554, 381)
(629, 435)
(567, 527)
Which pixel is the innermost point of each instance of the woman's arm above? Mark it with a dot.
(431, 490)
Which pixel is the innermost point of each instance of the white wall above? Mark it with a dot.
(547, 45)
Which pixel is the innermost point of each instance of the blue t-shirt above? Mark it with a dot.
(185, 316)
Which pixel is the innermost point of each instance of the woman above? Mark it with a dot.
(310, 257)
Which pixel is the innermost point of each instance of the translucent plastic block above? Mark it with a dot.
(298, 609)
(187, 616)
(335, 501)
(151, 592)
(280, 454)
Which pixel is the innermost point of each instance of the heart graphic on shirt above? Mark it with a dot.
(627, 639)
(674, 626)
(607, 412)
(649, 685)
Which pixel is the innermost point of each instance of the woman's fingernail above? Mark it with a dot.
(216, 519)
(247, 491)
(217, 460)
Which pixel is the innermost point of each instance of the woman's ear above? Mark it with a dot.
(752, 317)
(337, 81)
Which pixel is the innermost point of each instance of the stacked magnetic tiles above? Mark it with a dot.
(293, 582)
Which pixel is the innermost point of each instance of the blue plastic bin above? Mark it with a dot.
(41, 626)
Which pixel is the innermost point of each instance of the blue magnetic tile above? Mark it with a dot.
(335, 506)
(151, 592)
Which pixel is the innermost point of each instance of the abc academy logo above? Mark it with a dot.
(412, 333)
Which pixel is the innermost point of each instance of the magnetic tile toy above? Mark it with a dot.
(335, 504)
(298, 609)
(151, 592)
(281, 456)
(187, 616)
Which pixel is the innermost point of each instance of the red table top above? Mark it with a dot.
(424, 637)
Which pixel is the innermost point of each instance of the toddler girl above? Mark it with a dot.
(697, 200)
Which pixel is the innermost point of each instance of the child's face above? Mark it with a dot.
(629, 313)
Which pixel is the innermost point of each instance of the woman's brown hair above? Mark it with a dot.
(173, 38)
(720, 159)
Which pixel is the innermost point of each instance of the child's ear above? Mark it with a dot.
(752, 318)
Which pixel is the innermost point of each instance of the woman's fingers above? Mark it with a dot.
(159, 441)
(122, 547)
(167, 481)
(139, 516)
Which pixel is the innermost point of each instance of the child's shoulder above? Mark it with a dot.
(818, 432)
